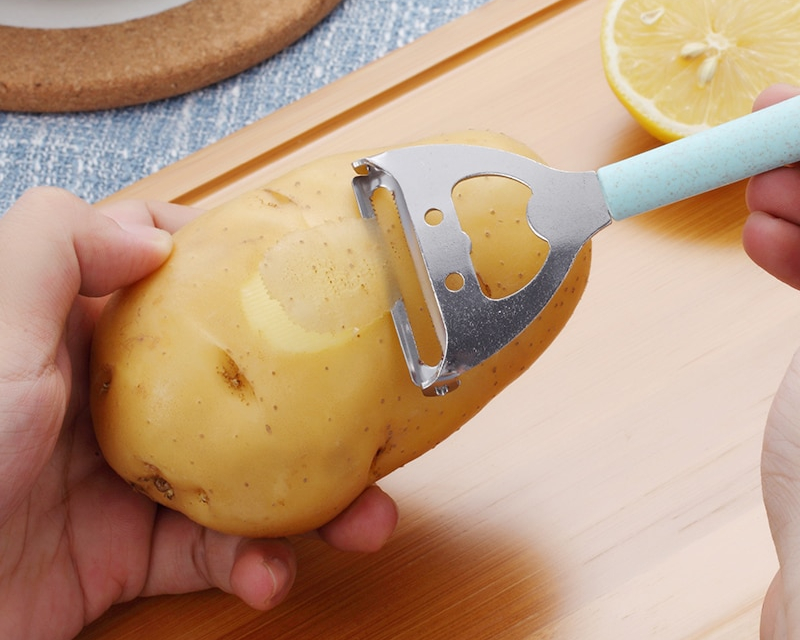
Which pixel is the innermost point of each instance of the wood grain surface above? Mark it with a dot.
(613, 491)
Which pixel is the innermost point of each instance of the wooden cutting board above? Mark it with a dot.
(613, 491)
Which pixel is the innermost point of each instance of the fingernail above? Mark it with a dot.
(281, 577)
(150, 234)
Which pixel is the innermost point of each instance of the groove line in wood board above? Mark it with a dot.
(414, 80)
(285, 131)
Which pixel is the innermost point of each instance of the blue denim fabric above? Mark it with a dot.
(95, 154)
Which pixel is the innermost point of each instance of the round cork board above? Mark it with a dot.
(158, 56)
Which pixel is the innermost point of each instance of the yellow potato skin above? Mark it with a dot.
(198, 405)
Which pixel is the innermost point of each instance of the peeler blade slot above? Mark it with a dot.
(565, 210)
(426, 374)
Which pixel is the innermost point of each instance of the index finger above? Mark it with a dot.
(164, 215)
(774, 94)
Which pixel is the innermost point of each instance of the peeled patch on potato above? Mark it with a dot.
(255, 381)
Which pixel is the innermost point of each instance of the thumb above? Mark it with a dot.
(54, 246)
(780, 468)
(54, 233)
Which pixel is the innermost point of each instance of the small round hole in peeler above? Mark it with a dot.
(434, 217)
(454, 282)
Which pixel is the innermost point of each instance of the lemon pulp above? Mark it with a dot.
(682, 66)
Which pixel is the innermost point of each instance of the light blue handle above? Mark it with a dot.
(730, 152)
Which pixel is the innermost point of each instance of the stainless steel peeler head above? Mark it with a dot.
(565, 210)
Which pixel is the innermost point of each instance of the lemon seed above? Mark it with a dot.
(707, 70)
(651, 17)
(692, 50)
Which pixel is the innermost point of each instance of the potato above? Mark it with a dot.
(255, 382)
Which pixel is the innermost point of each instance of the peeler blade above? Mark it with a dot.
(565, 210)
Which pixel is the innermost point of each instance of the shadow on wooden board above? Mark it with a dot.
(435, 564)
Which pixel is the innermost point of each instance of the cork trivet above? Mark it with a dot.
(158, 56)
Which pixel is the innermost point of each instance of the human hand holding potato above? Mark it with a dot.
(74, 537)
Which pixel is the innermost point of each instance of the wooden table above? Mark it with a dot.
(613, 491)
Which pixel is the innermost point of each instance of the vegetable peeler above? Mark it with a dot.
(565, 209)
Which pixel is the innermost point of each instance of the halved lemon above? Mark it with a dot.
(681, 66)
